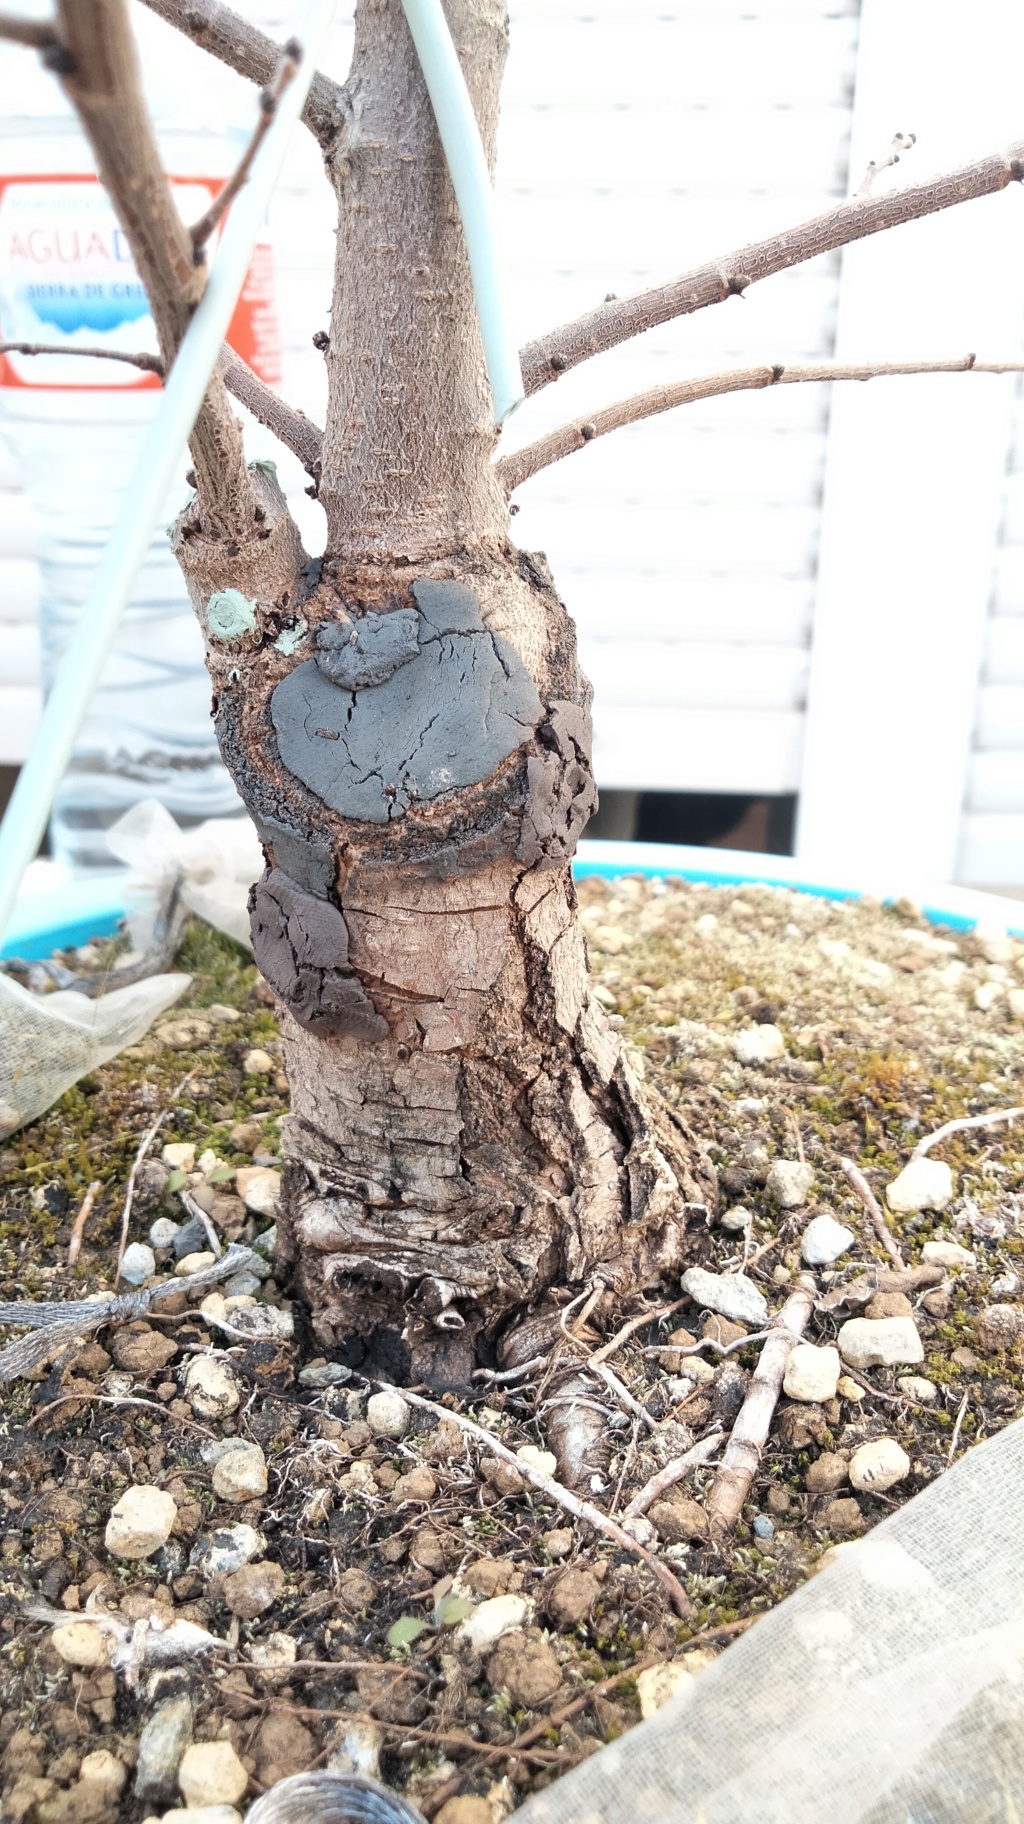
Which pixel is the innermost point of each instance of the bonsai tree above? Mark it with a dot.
(407, 723)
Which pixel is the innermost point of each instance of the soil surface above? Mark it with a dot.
(350, 1623)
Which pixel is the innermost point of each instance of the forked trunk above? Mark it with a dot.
(409, 728)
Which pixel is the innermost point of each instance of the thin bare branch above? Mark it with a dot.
(269, 98)
(673, 1472)
(250, 53)
(150, 364)
(513, 470)
(994, 1115)
(104, 85)
(856, 1180)
(78, 1227)
(742, 1456)
(38, 34)
(619, 319)
(292, 428)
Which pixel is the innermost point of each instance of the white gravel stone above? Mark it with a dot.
(274, 1652)
(141, 1522)
(988, 996)
(228, 1549)
(257, 1063)
(388, 1415)
(737, 1221)
(923, 1184)
(758, 1045)
(211, 1387)
(179, 1155)
(202, 1814)
(359, 1751)
(211, 1774)
(824, 1240)
(947, 1254)
(491, 1619)
(812, 1373)
(138, 1264)
(789, 1183)
(543, 1461)
(162, 1743)
(240, 1474)
(259, 1187)
(880, 1342)
(657, 1685)
(194, 1263)
(163, 1231)
(81, 1643)
(878, 1465)
(731, 1295)
(917, 1388)
(265, 1321)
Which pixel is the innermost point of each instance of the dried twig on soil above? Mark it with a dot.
(110, 1399)
(628, 1330)
(857, 1182)
(673, 1472)
(955, 1439)
(581, 1510)
(623, 1394)
(198, 1214)
(924, 1147)
(742, 1456)
(78, 1229)
(129, 1191)
(707, 1342)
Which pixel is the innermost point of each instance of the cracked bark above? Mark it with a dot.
(408, 725)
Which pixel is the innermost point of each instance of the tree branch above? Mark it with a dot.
(291, 427)
(742, 1458)
(104, 85)
(150, 364)
(513, 470)
(202, 229)
(38, 34)
(250, 53)
(620, 319)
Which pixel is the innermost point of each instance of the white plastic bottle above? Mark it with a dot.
(75, 424)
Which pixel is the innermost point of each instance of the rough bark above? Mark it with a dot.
(409, 727)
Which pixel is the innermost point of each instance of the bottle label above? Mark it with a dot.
(68, 282)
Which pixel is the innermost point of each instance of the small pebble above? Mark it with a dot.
(737, 1221)
(789, 1183)
(164, 1739)
(812, 1373)
(274, 1651)
(330, 1374)
(139, 1263)
(211, 1774)
(267, 1242)
(81, 1643)
(140, 1522)
(163, 1232)
(194, 1263)
(824, 1240)
(948, 1254)
(558, 1542)
(265, 1321)
(254, 1589)
(999, 1327)
(179, 1155)
(259, 1187)
(763, 1528)
(730, 1294)
(917, 1388)
(879, 1465)
(240, 1474)
(491, 1619)
(388, 1415)
(228, 1549)
(242, 1285)
(656, 1685)
(873, 1342)
(848, 1389)
(924, 1184)
(211, 1387)
(257, 1063)
(758, 1045)
(543, 1461)
(191, 1236)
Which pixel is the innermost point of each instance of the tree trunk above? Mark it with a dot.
(408, 726)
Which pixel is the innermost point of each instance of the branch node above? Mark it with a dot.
(902, 142)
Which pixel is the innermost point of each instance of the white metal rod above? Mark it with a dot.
(471, 181)
(66, 706)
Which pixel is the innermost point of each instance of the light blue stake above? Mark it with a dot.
(29, 809)
(471, 181)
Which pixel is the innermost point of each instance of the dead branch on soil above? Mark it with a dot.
(620, 319)
(857, 1182)
(581, 1510)
(623, 1395)
(742, 1456)
(630, 1328)
(78, 1229)
(103, 82)
(706, 1342)
(250, 53)
(955, 1439)
(85, 1398)
(513, 470)
(292, 428)
(902, 142)
(924, 1147)
(129, 1190)
(673, 1472)
(212, 217)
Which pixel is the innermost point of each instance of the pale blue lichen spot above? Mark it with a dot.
(291, 637)
(230, 615)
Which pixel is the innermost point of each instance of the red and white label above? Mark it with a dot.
(68, 281)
